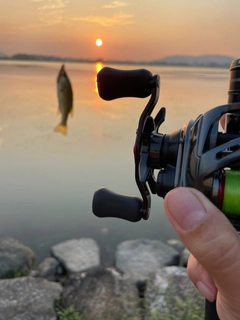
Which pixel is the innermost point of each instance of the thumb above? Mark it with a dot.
(209, 236)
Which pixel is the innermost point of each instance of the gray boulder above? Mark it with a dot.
(77, 255)
(102, 293)
(16, 259)
(50, 269)
(141, 257)
(28, 298)
(170, 292)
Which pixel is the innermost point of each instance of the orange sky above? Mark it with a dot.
(131, 29)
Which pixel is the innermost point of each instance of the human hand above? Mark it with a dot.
(214, 263)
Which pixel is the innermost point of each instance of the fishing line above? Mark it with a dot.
(63, 21)
(231, 198)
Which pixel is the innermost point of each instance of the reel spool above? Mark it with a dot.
(197, 155)
(229, 198)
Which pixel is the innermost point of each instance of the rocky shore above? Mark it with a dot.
(147, 282)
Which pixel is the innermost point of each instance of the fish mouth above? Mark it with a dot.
(62, 72)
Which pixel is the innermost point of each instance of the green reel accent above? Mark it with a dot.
(231, 198)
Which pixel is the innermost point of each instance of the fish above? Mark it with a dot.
(65, 99)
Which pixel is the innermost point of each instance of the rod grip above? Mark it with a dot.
(211, 310)
(107, 203)
(114, 83)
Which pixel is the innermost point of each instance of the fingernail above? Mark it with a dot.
(185, 208)
(206, 291)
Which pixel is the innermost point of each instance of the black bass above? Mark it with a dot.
(65, 99)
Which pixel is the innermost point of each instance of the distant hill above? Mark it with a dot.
(206, 61)
(39, 57)
(178, 60)
(24, 56)
(3, 55)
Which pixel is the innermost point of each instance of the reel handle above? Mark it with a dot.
(113, 83)
(107, 203)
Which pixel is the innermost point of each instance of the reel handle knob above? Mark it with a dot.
(113, 83)
(107, 203)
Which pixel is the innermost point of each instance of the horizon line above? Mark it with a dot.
(50, 58)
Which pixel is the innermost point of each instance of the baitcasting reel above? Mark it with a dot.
(198, 155)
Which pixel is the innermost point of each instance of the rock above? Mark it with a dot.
(141, 257)
(34, 273)
(28, 298)
(77, 255)
(102, 293)
(176, 244)
(170, 292)
(16, 259)
(184, 258)
(50, 269)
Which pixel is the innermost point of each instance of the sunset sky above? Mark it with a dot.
(139, 30)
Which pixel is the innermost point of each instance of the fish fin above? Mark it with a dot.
(71, 112)
(61, 128)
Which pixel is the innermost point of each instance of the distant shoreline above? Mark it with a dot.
(188, 61)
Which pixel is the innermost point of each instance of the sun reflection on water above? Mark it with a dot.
(98, 67)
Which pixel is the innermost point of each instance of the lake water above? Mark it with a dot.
(48, 180)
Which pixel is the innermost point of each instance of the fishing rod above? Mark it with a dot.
(197, 155)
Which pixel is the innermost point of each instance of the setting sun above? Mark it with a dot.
(99, 42)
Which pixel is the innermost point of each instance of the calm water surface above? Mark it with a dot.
(47, 180)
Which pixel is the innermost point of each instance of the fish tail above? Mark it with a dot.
(61, 128)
